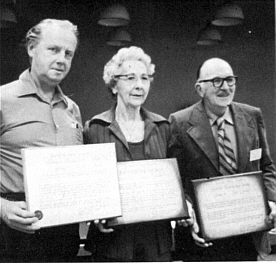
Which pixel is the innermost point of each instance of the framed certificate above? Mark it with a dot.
(69, 184)
(150, 190)
(231, 205)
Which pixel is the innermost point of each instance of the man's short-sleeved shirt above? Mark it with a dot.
(27, 120)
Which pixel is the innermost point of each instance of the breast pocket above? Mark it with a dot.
(70, 135)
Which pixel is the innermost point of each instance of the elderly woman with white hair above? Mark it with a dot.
(138, 135)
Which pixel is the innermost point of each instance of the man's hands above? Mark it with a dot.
(100, 225)
(17, 217)
(192, 223)
(272, 214)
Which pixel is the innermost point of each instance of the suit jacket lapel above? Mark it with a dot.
(244, 128)
(200, 131)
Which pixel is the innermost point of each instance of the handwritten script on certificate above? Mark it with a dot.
(72, 183)
(150, 190)
(231, 205)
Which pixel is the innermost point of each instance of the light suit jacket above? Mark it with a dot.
(193, 144)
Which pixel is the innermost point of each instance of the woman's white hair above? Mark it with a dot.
(112, 67)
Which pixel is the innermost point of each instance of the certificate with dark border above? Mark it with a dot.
(69, 184)
(231, 205)
(151, 190)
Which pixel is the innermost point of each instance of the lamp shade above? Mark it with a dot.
(119, 37)
(228, 15)
(115, 15)
(209, 36)
(8, 18)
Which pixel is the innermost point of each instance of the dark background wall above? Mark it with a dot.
(167, 31)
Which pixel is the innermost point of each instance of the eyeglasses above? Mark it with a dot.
(132, 78)
(218, 82)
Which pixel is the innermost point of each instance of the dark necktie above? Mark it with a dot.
(227, 160)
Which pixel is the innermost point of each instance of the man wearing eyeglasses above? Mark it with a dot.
(196, 143)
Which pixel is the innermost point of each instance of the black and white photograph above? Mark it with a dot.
(137, 131)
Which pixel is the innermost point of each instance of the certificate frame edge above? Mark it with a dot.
(25, 181)
(178, 178)
(197, 182)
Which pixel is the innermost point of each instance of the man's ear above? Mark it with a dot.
(199, 89)
(30, 48)
(114, 90)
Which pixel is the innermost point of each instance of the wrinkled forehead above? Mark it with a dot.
(215, 68)
(133, 66)
(56, 33)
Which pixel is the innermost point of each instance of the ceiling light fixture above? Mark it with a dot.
(119, 37)
(115, 15)
(209, 35)
(229, 14)
(8, 18)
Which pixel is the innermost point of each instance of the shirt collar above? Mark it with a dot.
(29, 87)
(59, 95)
(109, 116)
(227, 116)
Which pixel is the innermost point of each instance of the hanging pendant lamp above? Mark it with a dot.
(209, 35)
(119, 37)
(229, 14)
(8, 19)
(115, 15)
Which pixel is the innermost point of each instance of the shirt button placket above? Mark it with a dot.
(53, 117)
